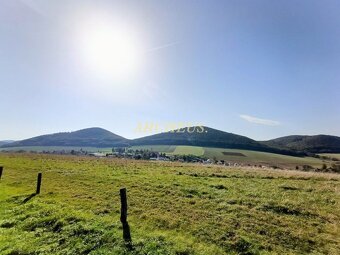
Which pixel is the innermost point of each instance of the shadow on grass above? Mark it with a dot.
(29, 198)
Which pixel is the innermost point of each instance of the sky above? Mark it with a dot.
(258, 68)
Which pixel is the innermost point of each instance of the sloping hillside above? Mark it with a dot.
(90, 137)
(5, 142)
(198, 136)
(312, 144)
(207, 137)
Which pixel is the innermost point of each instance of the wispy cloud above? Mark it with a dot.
(162, 46)
(256, 120)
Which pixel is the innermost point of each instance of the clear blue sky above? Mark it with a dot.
(263, 69)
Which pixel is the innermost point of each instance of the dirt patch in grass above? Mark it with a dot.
(283, 209)
(285, 187)
(237, 154)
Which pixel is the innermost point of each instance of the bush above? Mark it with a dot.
(336, 168)
(307, 167)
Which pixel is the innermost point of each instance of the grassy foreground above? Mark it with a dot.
(173, 208)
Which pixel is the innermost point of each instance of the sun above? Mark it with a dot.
(110, 49)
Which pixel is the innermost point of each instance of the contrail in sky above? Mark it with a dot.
(163, 46)
(256, 120)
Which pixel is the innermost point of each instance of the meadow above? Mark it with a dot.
(331, 155)
(240, 156)
(174, 208)
(228, 155)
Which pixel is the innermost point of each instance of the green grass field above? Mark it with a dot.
(262, 157)
(193, 150)
(251, 157)
(158, 148)
(331, 155)
(173, 208)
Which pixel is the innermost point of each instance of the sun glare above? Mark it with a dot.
(110, 49)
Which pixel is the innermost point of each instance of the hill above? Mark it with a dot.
(207, 137)
(6, 142)
(89, 137)
(311, 144)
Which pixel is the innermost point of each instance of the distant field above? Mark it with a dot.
(260, 157)
(193, 150)
(242, 156)
(174, 208)
(230, 155)
(56, 148)
(158, 148)
(331, 155)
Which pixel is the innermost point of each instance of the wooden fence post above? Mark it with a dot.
(1, 169)
(123, 216)
(38, 183)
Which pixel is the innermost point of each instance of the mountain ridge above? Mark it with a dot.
(209, 137)
(296, 145)
(89, 137)
(308, 143)
(3, 142)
